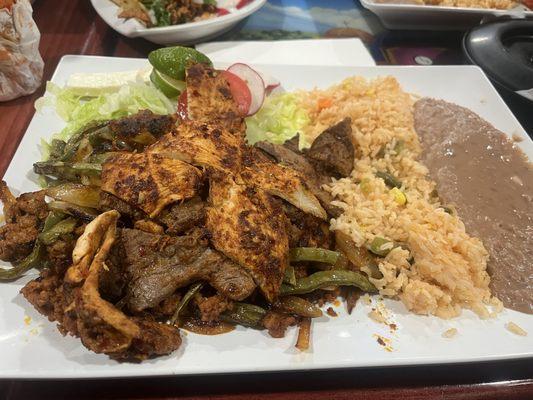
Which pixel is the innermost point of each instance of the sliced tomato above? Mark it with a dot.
(182, 111)
(240, 91)
(243, 3)
(222, 11)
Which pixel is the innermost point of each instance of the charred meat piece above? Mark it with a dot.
(149, 181)
(209, 99)
(143, 128)
(76, 303)
(46, 294)
(306, 230)
(211, 307)
(180, 218)
(249, 227)
(280, 181)
(288, 157)
(202, 144)
(24, 218)
(110, 202)
(149, 226)
(58, 254)
(333, 150)
(298, 162)
(160, 264)
(277, 323)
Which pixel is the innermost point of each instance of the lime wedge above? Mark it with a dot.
(173, 61)
(170, 87)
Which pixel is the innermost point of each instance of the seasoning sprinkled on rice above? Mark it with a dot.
(430, 262)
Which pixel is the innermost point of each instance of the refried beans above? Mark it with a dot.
(490, 182)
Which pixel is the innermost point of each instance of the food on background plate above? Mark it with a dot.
(159, 13)
(21, 69)
(196, 214)
(486, 4)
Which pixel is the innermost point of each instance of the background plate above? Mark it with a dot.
(189, 33)
(35, 349)
(413, 16)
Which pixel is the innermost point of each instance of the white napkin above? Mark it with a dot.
(345, 52)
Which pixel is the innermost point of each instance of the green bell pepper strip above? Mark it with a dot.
(245, 314)
(313, 254)
(184, 301)
(390, 180)
(290, 276)
(323, 279)
(297, 305)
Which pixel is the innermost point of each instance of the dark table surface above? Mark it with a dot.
(72, 27)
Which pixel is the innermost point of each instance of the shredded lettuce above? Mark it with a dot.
(280, 118)
(77, 111)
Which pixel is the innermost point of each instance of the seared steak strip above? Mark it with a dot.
(179, 218)
(333, 151)
(160, 264)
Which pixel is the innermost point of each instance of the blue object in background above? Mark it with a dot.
(294, 19)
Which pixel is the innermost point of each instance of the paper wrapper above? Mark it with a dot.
(21, 65)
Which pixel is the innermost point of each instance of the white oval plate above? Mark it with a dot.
(189, 33)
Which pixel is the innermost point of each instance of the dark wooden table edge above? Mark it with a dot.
(508, 379)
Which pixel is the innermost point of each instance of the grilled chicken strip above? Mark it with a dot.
(149, 181)
(209, 99)
(202, 144)
(160, 264)
(249, 227)
(280, 181)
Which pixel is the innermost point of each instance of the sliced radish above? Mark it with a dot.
(222, 11)
(270, 82)
(182, 111)
(243, 3)
(240, 91)
(255, 84)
